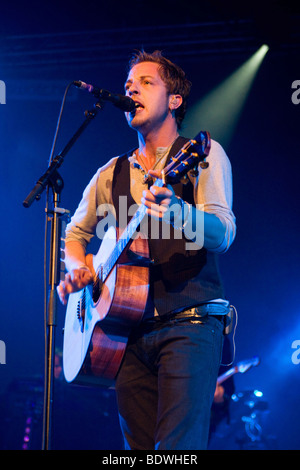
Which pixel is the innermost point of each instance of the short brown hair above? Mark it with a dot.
(171, 74)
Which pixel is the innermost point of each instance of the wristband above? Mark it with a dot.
(184, 215)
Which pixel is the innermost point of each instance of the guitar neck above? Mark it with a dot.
(240, 367)
(226, 375)
(179, 165)
(125, 237)
(123, 241)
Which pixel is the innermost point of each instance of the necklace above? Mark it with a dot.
(147, 178)
(140, 157)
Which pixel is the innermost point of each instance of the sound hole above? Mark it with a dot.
(97, 289)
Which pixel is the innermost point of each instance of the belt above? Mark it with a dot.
(194, 313)
(219, 311)
(213, 308)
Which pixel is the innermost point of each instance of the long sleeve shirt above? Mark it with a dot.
(212, 192)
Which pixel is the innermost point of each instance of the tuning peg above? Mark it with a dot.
(194, 172)
(204, 165)
(185, 179)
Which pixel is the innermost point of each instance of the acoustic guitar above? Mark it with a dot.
(100, 317)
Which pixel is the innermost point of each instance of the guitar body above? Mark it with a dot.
(99, 318)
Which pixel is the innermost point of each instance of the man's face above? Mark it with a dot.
(145, 86)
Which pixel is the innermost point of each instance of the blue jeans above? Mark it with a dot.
(166, 384)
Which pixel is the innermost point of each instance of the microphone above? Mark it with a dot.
(122, 102)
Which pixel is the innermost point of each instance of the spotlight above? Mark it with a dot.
(219, 110)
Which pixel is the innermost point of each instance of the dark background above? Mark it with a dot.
(46, 45)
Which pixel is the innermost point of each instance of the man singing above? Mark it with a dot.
(166, 382)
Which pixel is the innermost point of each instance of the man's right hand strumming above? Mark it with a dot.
(79, 274)
(74, 281)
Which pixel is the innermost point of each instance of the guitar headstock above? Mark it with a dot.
(188, 158)
(245, 365)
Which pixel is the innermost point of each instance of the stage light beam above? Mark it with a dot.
(219, 111)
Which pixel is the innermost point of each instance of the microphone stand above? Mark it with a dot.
(51, 178)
